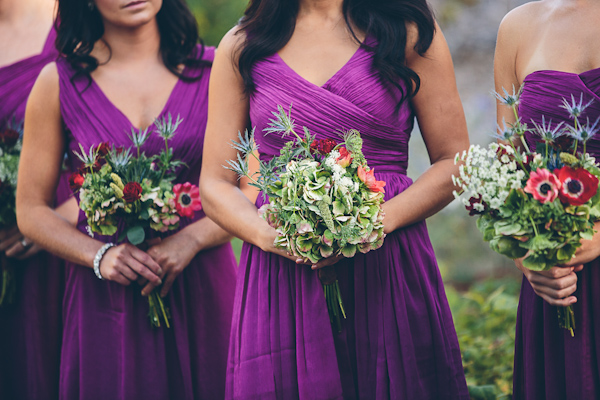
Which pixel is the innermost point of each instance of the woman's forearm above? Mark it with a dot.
(428, 195)
(56, 234)
(226, 205)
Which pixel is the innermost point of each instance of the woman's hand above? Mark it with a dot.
(268, 245)
(173, 254)
(555, 285)
(15, 245)
(125, 263)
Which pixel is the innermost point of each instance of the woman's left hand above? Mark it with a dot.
(173, 254)
(15, 245)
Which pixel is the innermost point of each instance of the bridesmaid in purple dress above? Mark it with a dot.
(123, 65)
(551, 48)
(30, 326)
(372, 66)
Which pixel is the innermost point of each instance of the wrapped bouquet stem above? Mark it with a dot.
(537, 204)
(324, 200)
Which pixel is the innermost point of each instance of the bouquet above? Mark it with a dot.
(324, 200)
(128, 194)
(535, 204)
(11, 141)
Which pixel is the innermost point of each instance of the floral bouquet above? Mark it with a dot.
(324, 200)
(11, 141)
(128, 194)
(538, 204)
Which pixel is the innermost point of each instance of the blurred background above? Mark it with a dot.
(482, 287)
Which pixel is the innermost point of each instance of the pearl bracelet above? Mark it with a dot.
(98, 258)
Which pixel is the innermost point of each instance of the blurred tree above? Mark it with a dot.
(216, 17)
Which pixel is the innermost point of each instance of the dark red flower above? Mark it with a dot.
(322, 146)
(563, 143)
(76, 181)
(132, 192)
(9, 137)
(471, 207)
(578, 185)
(119, 149)
(103, 149)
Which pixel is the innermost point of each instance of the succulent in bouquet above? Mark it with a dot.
(124, 191)
(11, 141)
(323, 199)
(534, 204)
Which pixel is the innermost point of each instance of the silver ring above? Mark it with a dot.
(25, 243)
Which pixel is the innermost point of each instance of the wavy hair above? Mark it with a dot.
(79, 27)
(269, 25)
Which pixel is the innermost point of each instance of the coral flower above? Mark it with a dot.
(345, 157)
(368, 178)
(578, 185)
(543, 185)
(187, 199)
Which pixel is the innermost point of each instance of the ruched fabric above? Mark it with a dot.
(398, 341)
(110, 351)
(549, 363)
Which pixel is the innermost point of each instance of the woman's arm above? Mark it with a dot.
(224, 202)
(442, 123)
(39, 170)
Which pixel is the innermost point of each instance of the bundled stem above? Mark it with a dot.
(158, 310)
(7, 283)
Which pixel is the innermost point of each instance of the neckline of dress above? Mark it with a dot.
(103, 95)
(33, 56)
(338, 72)
(546, 71)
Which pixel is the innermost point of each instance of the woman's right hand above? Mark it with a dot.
(555, 285)
(126, 263)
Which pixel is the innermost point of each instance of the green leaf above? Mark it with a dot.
(536, 262)
(136, 235)
(508, 247)
(508, 228)
(144, 214)
(349, 251)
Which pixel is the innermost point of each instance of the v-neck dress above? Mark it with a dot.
(398, 341)
(30, 328)
(110, 351)
(549, 363)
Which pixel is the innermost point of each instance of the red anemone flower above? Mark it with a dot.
(578, 185)
(187, 199)
(543, 185)
(368, 177)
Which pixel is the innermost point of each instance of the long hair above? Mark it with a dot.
(79, 27)
(269, 25)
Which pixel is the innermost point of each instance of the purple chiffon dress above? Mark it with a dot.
(30, 328)
(110, 350)
(549, 363)
(398, 341)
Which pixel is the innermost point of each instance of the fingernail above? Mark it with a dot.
(160, 281)
(299, 261)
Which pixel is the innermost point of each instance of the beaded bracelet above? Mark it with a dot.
(98, 258)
